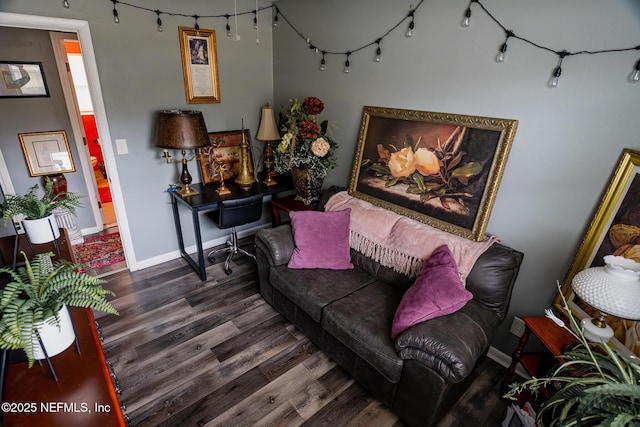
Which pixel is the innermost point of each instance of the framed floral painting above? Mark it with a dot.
(613, 230)
(438, 168)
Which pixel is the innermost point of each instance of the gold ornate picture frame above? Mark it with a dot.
(438, 168)
(613, 230)
(200, 65)
(47, 153)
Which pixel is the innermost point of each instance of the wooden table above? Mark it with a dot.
(287, 204)
(83, 396)
(554, 338)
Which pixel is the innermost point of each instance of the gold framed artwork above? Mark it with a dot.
(47, 153)
(199, 65)
(224, 147)
(438, 168)
(613, 230)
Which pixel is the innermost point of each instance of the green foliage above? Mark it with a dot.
(595, 386)
(37, 291)
(34, 207)
(300, 146)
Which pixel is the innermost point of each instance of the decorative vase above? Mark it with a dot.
(55, 339)
(308, 184)
(42, 230)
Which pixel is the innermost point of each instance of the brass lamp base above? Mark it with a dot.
(187, 190)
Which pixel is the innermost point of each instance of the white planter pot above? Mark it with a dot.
(55, 339)
(42, 230)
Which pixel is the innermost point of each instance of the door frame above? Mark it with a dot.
(57, 38)
(81, 28)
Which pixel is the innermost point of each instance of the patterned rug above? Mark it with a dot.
(100, 251)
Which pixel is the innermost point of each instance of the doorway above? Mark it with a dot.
(81, 30)
(74, 65)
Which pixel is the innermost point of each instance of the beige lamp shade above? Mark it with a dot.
(181, 129)
(268, 130)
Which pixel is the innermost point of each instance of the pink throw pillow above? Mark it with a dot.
(321, 239)
(437, 291)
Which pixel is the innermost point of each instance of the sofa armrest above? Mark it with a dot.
(277, 243)
(450, 345)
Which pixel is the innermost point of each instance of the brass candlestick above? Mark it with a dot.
(222, 190)
(245, 179)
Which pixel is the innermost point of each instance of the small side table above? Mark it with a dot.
(552, 336)
(287, 204)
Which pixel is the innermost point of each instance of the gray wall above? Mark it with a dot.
(568, 139)
(141, 72)
(566, 145)
(23, 115)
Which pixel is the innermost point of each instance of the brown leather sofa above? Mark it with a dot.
(348, 314)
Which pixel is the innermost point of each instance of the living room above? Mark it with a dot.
(566, 147)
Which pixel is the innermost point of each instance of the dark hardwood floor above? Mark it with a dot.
(214, 353)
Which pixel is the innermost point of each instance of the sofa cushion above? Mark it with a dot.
(437, 291)
(321, 239)
(362, 322)
(312, 289)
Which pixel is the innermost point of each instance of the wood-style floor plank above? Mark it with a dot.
(214, 353)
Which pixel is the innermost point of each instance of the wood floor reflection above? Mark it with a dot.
(193, 353)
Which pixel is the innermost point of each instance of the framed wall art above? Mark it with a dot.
(47, 153)
(199, 65)
(614, 230)
(437, 168)
(224, 146)
(22, 79)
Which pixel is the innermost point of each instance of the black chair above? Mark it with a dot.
(231, 214)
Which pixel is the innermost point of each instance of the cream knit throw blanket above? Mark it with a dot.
(402, 243)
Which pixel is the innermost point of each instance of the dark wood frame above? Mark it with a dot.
(37, 80)
(478, 144)
(226, 145)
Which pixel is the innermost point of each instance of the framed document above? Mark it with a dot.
(47, 153)
(199, 65)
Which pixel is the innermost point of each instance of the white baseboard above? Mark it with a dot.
(150, 262)
(505, 360)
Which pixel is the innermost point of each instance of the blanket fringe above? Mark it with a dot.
(400, 262)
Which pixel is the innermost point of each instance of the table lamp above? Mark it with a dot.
(612, 290)
(181, 130)
(268, 132)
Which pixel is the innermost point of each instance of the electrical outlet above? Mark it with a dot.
(517, 327)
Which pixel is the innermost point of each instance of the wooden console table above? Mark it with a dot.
(286, 204)
(83, 396)
(554, 338)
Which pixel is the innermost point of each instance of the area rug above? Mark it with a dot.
(100, 251)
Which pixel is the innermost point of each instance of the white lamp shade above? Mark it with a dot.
(613, 289)
(268, 130)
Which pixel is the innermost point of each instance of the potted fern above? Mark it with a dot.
(38, 211)
(595, 385)
(34, 304)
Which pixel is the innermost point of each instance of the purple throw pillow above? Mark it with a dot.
(437, 291)
(321, 239)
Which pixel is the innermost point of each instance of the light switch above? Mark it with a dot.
(121, 146)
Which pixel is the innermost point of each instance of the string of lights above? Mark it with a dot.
(634, 76)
